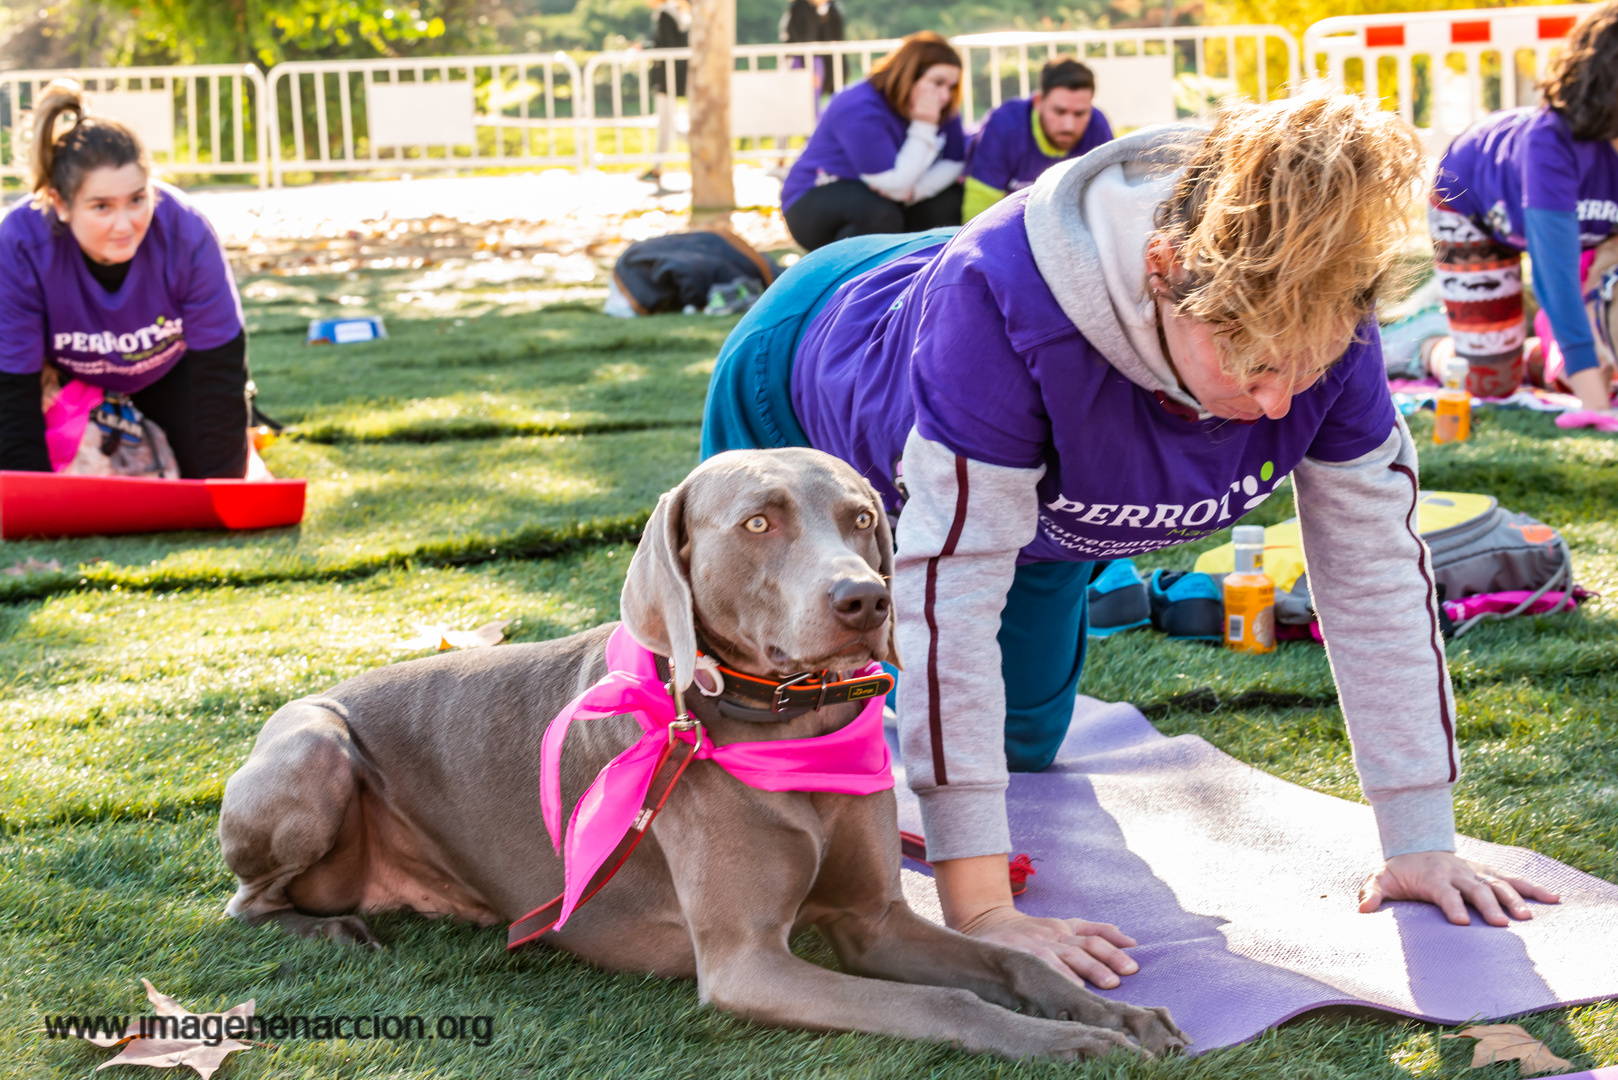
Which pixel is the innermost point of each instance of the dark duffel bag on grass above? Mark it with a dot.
(678, 271)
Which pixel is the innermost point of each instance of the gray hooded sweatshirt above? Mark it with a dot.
(1088, 221)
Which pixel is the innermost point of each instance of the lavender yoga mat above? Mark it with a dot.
(1242, 890)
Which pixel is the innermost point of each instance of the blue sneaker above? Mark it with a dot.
(1187, 605)
(1118, 600)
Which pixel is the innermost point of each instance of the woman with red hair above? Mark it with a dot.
(888, 153)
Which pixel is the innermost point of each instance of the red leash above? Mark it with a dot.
(671, 766)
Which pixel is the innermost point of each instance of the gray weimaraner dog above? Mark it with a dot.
(415, 786)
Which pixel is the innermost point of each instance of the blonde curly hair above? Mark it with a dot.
(1288, 222)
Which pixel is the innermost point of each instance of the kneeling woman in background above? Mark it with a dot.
(1544, 181)
(114, 289)
(888, 153)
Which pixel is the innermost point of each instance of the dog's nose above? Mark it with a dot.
(860, 605)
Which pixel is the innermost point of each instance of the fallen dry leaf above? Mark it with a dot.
(1502, 1042)
(442, 637)
(165, 1053)
(32, 565)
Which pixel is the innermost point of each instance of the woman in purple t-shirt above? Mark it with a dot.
(1544, 181)
(888, 153)
(114, 281)
(1123, 357)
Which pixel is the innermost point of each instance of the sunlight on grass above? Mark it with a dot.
(123, 704)
(377, 505)
(1419, 1055)
(490, 434)
(495, 375)
(116, 901)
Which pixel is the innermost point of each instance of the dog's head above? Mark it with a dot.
(780, 559)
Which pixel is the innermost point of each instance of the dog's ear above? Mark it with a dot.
(656, 602)
(884, 546)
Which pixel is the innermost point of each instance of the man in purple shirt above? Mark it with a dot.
(1025, 136)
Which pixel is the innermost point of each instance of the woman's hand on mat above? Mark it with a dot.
(1451, 883)
(975, 894)
(1089, 952)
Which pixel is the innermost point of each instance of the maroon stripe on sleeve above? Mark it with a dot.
(935, 716)
(1432, 620)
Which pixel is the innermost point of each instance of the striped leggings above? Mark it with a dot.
(1480, 280)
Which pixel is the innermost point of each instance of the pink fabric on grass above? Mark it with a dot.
(1294, 632)
(1458, 610)
(1499, 603)
(66, 420)
(1582, 418)
(853, 760)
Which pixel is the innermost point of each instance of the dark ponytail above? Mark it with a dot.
(60, 162)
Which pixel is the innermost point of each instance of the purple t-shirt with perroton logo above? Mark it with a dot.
(1527, 158)
(1005, 154)
(179, 294)
(966, 343)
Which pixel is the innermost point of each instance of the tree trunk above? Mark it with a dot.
(713, 34)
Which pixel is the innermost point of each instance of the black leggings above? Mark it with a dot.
(847, 208)
(200, 403)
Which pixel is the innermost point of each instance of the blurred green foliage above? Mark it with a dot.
(115, 32)
(120, 32)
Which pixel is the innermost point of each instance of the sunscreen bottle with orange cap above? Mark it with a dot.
(1453, 405)
(1249, 595)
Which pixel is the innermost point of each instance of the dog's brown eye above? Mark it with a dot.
(865, 520)
(758, 524)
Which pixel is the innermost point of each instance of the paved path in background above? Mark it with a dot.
(384, 223)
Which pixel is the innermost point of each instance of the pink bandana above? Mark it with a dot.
(852, 760)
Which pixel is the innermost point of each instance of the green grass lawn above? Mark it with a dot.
(498, 463)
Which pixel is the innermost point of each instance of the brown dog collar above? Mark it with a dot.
(759, 699)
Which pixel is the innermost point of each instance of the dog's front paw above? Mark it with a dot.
(1155, 1031)
(345, 930)
(1066, 1041)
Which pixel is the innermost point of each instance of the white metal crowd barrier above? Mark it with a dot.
(193, 119)
(773, 95)
(1441, 69)
(1143, 76)
(430, 113)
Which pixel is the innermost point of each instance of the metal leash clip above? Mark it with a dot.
(683, 720)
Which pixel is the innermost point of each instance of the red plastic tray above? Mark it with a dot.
(52, 505)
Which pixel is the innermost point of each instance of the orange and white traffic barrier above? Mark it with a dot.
(1441, 69)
